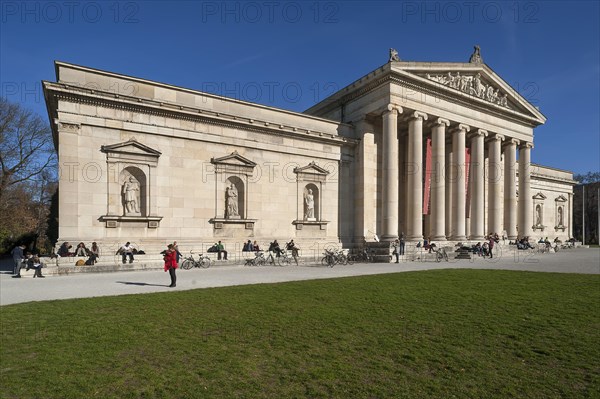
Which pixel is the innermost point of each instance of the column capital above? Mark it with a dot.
(418, 115)
(496, 137)
(526, 144)
(393, 108)
(441, 121)
(510, 141)
(462, 128)
(479, 132)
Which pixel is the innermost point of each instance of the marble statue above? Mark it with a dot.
(131, 196)
(231, 195)
(560, 217)
(476, 56)
(538, 215)
(394, 55)
(309, 202)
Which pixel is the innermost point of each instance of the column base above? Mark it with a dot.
(474, 238)
(438, 238)
(458, 238)
(388, 237)
(414, 238)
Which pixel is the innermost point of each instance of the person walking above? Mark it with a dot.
(170, 259)
(491, 243)
(18, 256)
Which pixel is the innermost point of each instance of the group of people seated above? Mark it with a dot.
(93, 253)
(481, 249)
(427, 245)
(273, 247)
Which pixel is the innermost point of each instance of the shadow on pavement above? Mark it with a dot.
(141, 284)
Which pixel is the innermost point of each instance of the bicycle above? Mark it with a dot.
(189, 262)
(329, 259)
(258, 260)
(440, 254)
(361, 257)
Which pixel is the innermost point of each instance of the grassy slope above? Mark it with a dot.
(445, 333)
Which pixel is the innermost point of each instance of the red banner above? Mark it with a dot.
(427, 190)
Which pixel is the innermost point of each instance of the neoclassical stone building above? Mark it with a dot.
(427, 149)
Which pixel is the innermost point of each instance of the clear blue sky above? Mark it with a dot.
(292, 54)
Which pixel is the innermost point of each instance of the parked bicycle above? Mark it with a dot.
(189, 262)
(258, 260)
(363, 256)
(440, 254)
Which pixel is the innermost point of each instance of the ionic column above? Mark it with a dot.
(510, 188)
(494, 184)
(458, 189)
(525, 216)
(449, 183)
(415, 176)
(476, 176)
(438, 182)
(390, 173)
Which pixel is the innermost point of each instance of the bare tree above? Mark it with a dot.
(26, 148)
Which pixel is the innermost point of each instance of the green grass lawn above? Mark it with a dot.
(431, 334)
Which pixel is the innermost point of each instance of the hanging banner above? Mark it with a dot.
(467, 174)
(427, 189)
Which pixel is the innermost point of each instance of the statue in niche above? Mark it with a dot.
(309, 206)
(131, 196)
(394, 55)
(231, 196)
(538, 215)
(560, 217)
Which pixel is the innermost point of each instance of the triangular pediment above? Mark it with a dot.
(131, 146)
(561, 198)
(313, 169)
(539, 196)
(475, 82)
(234, 159)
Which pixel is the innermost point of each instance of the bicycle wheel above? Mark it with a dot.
(324, 261)
(205, 262)
(283, 261)
(187, 264)
(438, 257)
(343, 259)
(350, 259)
(445, 256)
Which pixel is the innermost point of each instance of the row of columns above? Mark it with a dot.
(448, 222)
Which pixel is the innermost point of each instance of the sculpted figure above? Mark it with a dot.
(464, 84)
(309, 205)
(490, 93)
(131, 191)
(476, 56)
(538, 215)
(560, 217)
(231, 196)
(503, 101)
(394, 55)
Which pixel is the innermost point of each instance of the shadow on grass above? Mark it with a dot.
(141, 284)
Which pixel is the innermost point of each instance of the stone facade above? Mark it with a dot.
(152, 163)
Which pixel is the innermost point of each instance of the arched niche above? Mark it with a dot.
(134, 185)
(311, 180)
(312, 197)
(136, 163)
(235, 198)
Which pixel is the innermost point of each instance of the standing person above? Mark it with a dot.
(18, 256)
(491, 246)
(255, 246)
(127, 250)
(221, 249)
(396, 251)
(291, 246)
(170, 259)
(402, 243)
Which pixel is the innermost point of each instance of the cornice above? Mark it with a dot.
(75, 94)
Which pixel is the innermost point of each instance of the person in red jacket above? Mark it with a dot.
(171, 263)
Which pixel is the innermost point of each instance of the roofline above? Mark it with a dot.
(191, 91)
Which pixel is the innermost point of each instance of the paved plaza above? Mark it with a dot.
(86, 285)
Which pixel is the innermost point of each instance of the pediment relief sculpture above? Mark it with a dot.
(472, 85)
